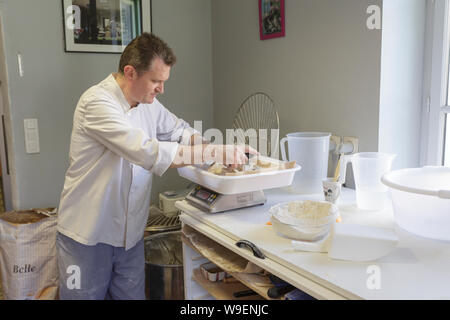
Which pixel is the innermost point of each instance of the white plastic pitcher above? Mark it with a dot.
(310, 150)
(368, 168)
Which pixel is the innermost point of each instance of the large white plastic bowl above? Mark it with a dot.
(421, 200)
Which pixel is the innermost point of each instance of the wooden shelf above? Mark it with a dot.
(249, 281)
(255, 282)
(189, 243)
(221, 290)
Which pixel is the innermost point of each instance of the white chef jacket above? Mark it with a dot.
(113, 152)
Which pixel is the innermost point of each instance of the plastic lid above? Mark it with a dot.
(433, 181)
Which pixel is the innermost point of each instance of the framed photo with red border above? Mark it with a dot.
(271, 19)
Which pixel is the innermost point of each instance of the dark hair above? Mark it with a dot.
(141, 52)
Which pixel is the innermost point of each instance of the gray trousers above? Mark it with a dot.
(100, 272)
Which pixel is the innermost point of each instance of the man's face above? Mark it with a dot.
(147, 86)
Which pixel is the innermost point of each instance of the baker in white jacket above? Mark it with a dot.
(121, 135)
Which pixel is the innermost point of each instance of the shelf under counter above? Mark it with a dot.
(257, 282)
(222, 290)
(405, 272)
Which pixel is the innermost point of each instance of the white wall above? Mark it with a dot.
(54, 80)
(186, 26)
(402, 70)
(324, 75)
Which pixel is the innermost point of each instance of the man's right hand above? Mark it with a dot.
(225, 154)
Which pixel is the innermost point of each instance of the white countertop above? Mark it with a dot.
(418, 268)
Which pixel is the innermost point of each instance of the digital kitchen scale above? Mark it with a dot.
(214, 202)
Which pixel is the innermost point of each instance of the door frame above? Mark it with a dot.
(6, 140)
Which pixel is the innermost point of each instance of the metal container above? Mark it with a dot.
(158, 223)
(164, 278)
(303, 220)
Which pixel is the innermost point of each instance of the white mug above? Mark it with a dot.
(331, 190)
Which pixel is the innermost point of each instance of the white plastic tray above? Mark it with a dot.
(239, 184)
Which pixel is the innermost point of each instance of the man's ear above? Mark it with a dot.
(130, 73)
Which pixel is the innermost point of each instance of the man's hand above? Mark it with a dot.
(230, 155)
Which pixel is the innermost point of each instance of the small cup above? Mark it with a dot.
(331, 190)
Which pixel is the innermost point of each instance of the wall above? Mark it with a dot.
(54, 81)
(323, 76)
(186, 25)
(402, 70)
(49, 91)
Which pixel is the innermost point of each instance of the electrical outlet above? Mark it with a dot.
(335, 142)
(351, 144)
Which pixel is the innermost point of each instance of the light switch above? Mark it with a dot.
(31, 123)
(31, 136)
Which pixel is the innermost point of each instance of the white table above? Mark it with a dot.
(418, 268)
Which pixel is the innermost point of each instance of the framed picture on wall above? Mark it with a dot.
(104, 26)
(271, 19)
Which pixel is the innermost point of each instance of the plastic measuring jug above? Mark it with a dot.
(368, 168)
(310, 150)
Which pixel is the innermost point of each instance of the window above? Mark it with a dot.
(446, 108)
(436, 121)
(447, 141)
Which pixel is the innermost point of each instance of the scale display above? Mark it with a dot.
(204, 195)
(215, 202)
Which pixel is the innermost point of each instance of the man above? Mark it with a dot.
(121, 135)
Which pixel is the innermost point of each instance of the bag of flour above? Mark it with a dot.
(28, 260)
